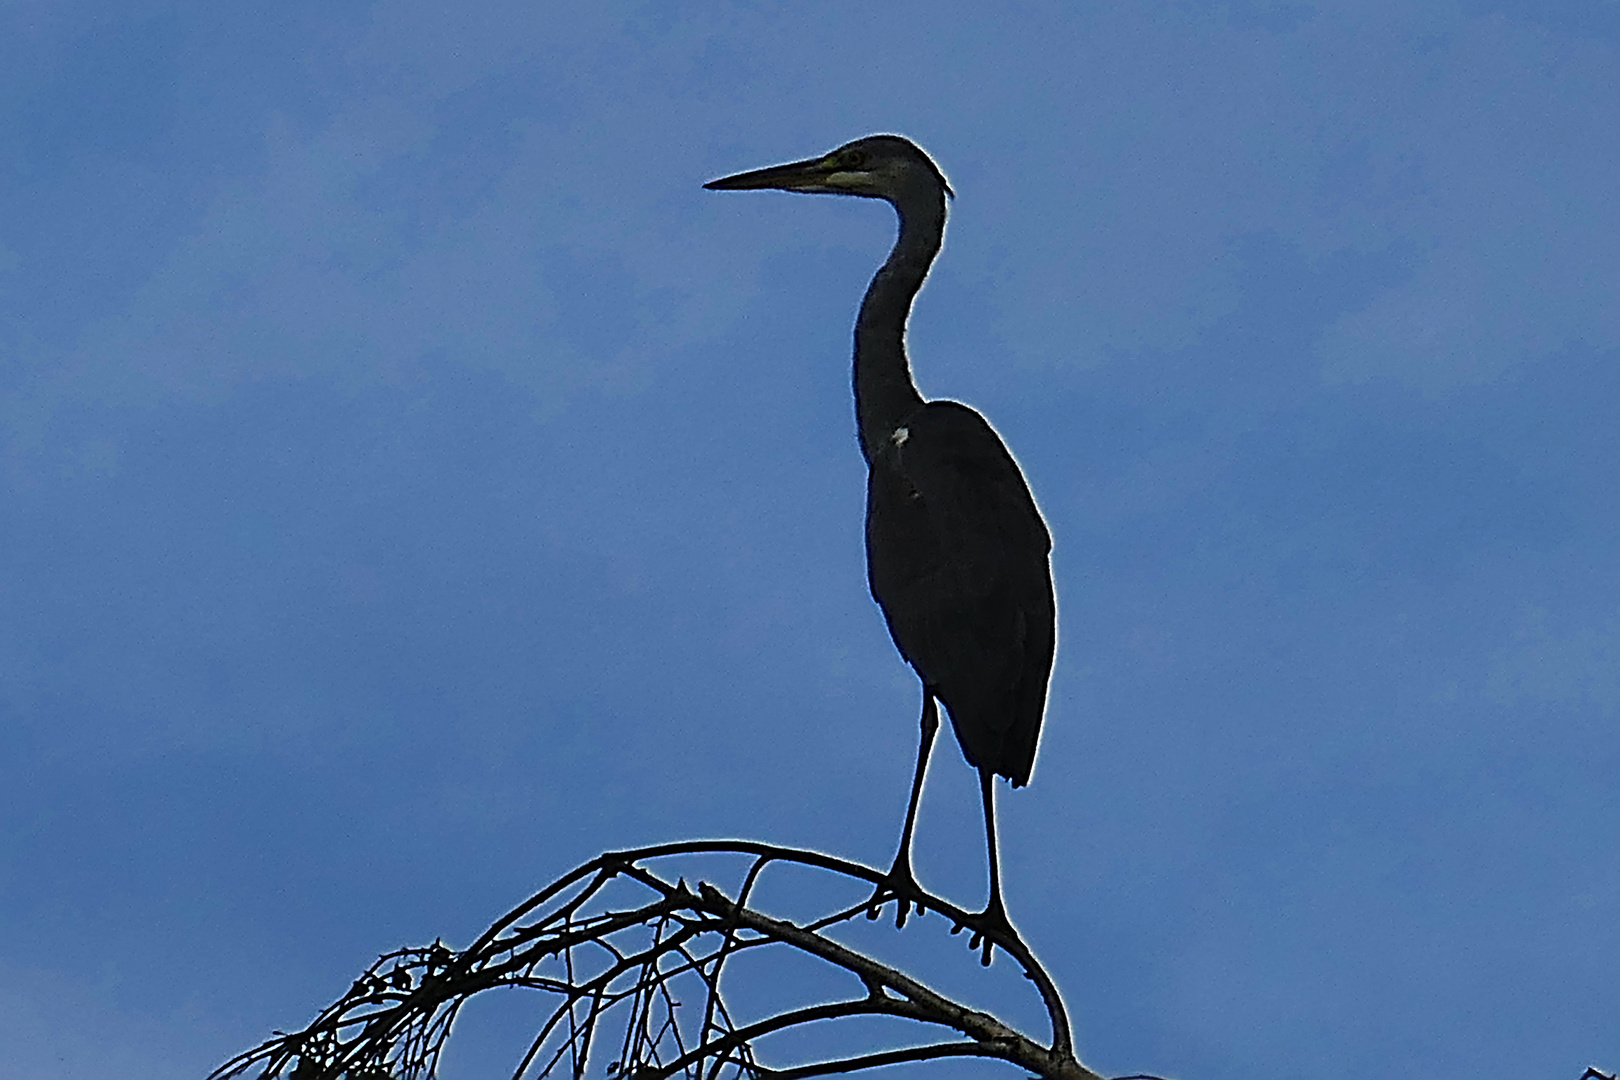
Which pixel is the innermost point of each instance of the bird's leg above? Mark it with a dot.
(992, 921)
(899, 882)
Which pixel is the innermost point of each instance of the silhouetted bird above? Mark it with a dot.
(957, 553)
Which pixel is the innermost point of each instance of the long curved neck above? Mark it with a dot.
(884, 392)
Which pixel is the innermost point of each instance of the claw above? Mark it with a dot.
(989, 926)
(900, 886)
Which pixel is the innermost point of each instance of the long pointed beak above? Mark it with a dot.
(808, 175)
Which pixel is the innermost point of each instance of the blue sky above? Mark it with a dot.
(412, 483)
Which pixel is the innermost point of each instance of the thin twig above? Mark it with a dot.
(875, 1061)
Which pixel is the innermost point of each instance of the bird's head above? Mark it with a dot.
(876, 167)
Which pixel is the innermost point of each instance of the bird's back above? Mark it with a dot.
(957, 557)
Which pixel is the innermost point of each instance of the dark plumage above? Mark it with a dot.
(957, 553)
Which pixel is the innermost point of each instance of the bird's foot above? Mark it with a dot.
(989, 927)
(900, 886)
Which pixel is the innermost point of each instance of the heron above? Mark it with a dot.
(957, 553)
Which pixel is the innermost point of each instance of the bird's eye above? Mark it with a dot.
(854, 159)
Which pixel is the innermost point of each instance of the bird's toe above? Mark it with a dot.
(991, 927)
(900, 886)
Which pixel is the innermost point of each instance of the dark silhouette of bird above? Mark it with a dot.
(957, 553)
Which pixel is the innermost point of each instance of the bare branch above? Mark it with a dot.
(607, 963)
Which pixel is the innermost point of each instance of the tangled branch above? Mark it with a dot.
(632, 962)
